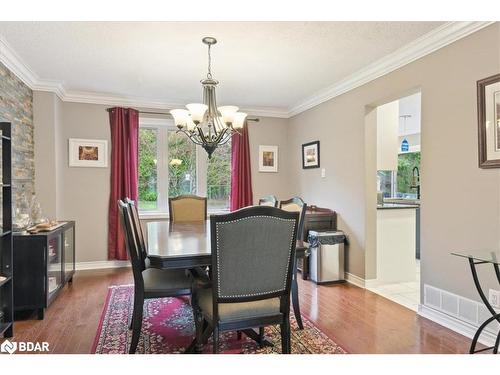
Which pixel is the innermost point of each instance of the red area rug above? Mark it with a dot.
(168, 327)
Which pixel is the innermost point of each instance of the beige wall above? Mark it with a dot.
(460, 202)
(82, 194)
(269, 132)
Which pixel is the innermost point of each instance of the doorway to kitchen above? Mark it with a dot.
(397, 243)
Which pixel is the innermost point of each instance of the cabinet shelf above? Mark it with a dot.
(4, 327)
(4, 233)
(5, 281)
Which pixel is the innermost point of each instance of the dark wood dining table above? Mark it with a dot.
(187, 245)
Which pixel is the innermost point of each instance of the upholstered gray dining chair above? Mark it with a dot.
(252, 257)
(149, 282)
(268, 200)
(296, 204)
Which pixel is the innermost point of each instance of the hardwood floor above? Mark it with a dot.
(357, 319)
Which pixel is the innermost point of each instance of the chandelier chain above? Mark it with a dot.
(209, 75)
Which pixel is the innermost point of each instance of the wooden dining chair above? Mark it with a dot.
(268, 200)
(136, 222)
(252, 241)
(296, 204)
(149, 282)
(187, 208)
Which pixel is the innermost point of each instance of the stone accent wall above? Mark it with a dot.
(16, 107)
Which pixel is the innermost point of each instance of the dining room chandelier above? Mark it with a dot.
(206, 124)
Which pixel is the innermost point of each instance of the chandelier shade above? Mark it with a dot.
(204, 123)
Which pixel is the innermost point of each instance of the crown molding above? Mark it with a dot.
(15, 64)
(420, 47)
(426, 44)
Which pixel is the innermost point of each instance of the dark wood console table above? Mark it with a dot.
(43, 263)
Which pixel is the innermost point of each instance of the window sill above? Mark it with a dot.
(153, 215)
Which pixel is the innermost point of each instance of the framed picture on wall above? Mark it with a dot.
(310, 155)
(268, 158)
(88, 153)
(488, 110)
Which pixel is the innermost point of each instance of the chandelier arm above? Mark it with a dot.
(223, 142)
(190, 136)
(225, 136)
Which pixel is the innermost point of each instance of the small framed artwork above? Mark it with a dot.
(488, 111)
(310, 155)
(88, 153)
(268, 158)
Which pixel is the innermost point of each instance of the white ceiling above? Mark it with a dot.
(259, 64)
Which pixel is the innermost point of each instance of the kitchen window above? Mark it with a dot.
(171, 165)
(399, 184)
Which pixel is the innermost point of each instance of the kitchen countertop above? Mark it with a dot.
(388, 206)
(402, 201)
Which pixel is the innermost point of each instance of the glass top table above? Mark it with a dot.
(483, 257)
(488, 256)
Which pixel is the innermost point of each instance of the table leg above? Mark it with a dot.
(295, 296)
(494, 315)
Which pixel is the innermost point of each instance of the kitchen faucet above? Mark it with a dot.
(416, 181)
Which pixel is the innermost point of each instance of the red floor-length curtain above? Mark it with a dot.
(124, 123)
(241, 174)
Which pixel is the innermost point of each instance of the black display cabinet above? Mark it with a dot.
(6, 268)
(43, 263)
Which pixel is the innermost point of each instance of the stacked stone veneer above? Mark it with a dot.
(16, 107)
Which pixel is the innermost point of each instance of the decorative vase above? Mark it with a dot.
(22, 214)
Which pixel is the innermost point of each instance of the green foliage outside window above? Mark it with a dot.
(181, 165)
(147, 168)
(406, 163)
(219, 177)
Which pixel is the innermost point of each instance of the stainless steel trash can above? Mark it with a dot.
(326, 260)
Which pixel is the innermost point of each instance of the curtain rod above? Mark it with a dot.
(255, 119)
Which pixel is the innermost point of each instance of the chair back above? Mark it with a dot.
(136, 222)
(131, 243)
(252, 254)
(296, 204)
(187, 208)
(269, 200)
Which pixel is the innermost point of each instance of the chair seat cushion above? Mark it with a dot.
(164, 282)
(238, 311)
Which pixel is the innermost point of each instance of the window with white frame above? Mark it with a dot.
(171, 165)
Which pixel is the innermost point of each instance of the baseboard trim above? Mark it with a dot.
(355, 280)
(82, 266)
(372, 283)
(457, 325)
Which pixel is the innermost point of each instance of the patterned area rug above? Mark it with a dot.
(168, 327)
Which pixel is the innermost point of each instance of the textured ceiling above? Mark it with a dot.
(258, 64)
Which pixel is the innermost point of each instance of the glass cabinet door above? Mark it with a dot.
(69, 252)
(54, 264)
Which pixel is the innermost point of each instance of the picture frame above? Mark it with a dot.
(488, 112)
(91, 153)
(268, 158)
(310, 155)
